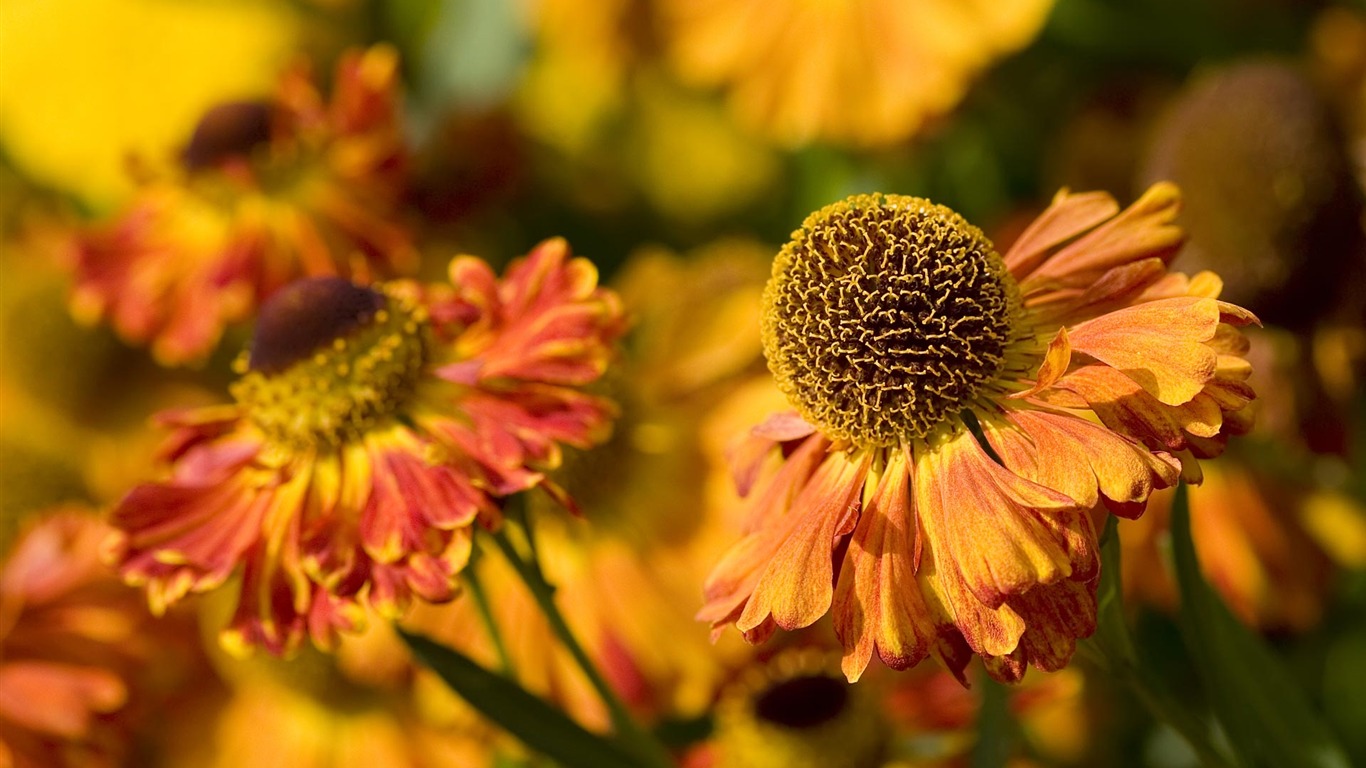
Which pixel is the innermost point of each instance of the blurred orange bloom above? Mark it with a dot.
(1252, 548)
(71, 636)
(939, 484)
(268, 192)
(865, 72)
(371, 428)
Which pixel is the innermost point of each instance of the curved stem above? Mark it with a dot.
(645, 746)
(481, 603)
(1169, 711)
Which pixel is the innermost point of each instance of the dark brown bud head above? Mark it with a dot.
(803, 702)
(307, 315)
(228, 130)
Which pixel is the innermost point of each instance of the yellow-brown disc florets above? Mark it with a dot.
(885, 315)
(331, 360)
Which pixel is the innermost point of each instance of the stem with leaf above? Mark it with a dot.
(641, 743)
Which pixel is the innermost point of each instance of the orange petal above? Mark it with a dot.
(1158, 344)
(977, 517)
(796, 587)
(1067, 217)
(1057, 615)
(1054, 365)
(877, 604)
(1143, 230)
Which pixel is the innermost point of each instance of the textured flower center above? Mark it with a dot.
(885, 315)
(330, 360)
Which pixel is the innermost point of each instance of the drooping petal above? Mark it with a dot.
(797, 585)
(978, 518)
(877, 604)
(1160, 345)
(1080, 458)
(768, 519)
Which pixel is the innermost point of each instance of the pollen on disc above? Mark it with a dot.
(885, 315)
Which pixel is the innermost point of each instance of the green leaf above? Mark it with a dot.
(1265, 714)
(1112, 628)
(539, 725)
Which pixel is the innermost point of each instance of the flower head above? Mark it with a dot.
(963, 419)
(795, 711)
(371, 427)
(268, 191)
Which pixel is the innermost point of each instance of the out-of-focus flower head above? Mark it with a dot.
(372, 427)
(576, 82)
(1252, 546)
(795, 711)
(673, 128)
(267, 192)
(73, 641)
(1270, 202)
(87, 83)
(593, 92)
(866, 72)
(963, 419)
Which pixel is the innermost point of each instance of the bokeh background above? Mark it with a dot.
(675, 143)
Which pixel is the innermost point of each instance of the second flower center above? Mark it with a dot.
(330, 361)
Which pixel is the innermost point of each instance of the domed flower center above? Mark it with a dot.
(802, 702)
(885, 315)
(330, 360)
(228, 130)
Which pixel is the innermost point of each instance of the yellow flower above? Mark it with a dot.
(860, 72)
(962, 421)
(84, 84)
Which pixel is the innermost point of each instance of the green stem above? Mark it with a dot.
(1112, 648)
(481, 603)
(641, 743)
(1169, 711)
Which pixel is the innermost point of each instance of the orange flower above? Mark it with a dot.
(866, 72)
(268, 192)
(964, 419)
(70, 637)
(371, 427)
